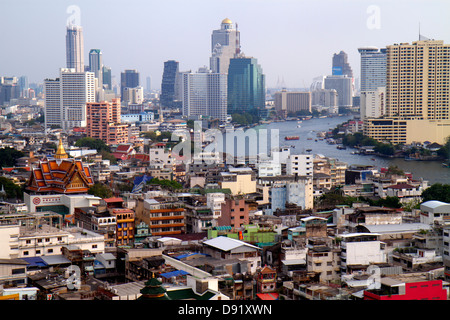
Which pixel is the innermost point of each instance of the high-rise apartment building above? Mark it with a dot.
(292, 102)
(66, 98)
(246, 86)
(168, 84)
(417, 94)
(128, 79)
(373, 103)
(225, 45)
(204, 94)
(77, 88)
(104, 122)
(75, 48)
(52, 102)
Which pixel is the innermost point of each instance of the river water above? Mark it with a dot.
(432, 171)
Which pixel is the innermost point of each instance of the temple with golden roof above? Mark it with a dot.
(60, 175)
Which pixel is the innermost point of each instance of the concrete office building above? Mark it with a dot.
(292, 102)
(344, 88)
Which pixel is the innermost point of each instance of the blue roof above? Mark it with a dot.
(35, 262)
(175, 273)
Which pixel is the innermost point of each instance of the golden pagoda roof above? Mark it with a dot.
(61, 152)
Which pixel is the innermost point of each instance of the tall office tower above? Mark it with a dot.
(246, 86)
(204, 94)
(168, 83)
(96, 65)
(417, 94)
(9, 89)
(148, 84)
(344, 87)
(373, 68)
(77, 88)
(75, 48)
(52, 102)
(128, 79)
(225, 45)
(106, 75)
(291, 102)
(341, 67)
(103, 122)
(23, 84)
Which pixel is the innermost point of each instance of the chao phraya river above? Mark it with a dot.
(432, 171)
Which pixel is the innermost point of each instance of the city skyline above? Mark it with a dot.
(274, 32)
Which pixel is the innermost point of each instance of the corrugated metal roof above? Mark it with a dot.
(227, 244)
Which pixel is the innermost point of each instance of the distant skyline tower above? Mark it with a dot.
(168, 83)
(128, 79)
(75, 48)
(96, 65)
(341, 67)
(225, 45)
(246, 86)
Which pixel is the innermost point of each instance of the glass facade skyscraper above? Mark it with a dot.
(373, 68)
(246, 86)
(168, 83)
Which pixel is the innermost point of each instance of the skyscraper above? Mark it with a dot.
(52, 102)
(246, 86)
(77, 88)
(107, 80)
(417, 94)
(204, 94)
(341, 67)
(128, 79)
(373, 82)
(168, 83)
(75, 48)
(96, 65)
(344, 88)
(225, 45)
(66, 98)
(373, 68)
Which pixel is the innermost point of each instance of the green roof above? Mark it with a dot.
(188, 293)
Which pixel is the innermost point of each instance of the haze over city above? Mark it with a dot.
(293, 40)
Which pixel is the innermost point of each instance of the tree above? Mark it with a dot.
(8, 157)
(100, 190)
(92, 143)
(437, 191)
(13, 191)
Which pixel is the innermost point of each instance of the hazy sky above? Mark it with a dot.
(293, 40)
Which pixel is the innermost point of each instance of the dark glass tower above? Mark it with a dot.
(128, 79)
(246, 86)
(168, 83)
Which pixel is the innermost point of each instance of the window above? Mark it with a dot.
(18, 271)
(50, 251)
